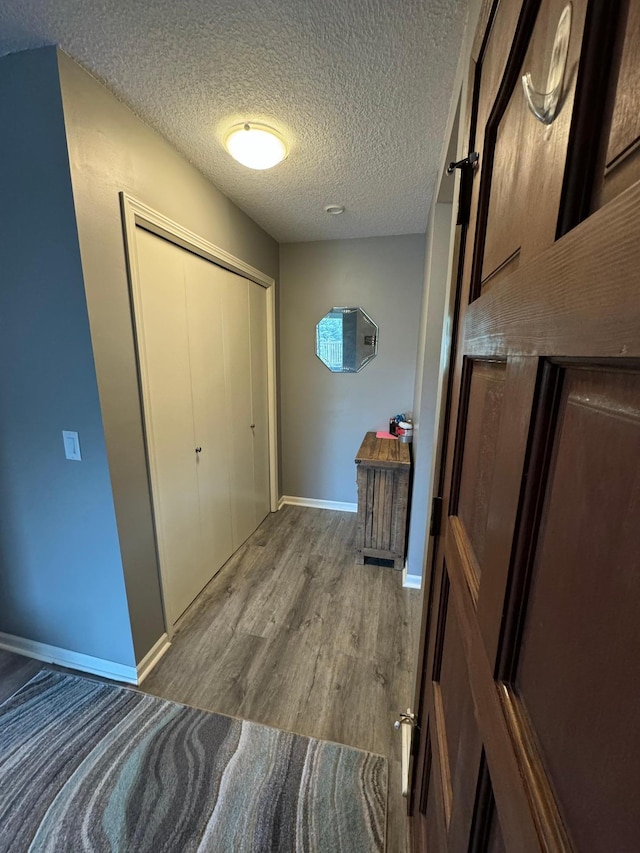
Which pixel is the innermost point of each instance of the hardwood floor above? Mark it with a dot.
(292, 633)
(15, 671)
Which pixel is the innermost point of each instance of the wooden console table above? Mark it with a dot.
(383, 471)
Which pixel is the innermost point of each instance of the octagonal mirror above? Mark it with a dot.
(346, 340)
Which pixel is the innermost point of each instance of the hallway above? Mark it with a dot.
(291, 633)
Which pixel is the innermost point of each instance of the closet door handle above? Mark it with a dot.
(198, 450)
(253, 426)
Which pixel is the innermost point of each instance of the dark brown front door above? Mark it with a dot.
(529, 688)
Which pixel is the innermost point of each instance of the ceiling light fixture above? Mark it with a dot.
(255, 145)
(334, 209)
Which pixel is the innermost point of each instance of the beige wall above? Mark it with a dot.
(433, 345)
(325, 415)
(111, 150)
(435, 341)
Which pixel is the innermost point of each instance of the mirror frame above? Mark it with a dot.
(374, 346)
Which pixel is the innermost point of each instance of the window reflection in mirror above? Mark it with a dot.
(346, 340)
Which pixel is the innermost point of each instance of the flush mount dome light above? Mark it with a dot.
(255, 145)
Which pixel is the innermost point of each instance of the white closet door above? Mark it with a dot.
(204, 306)
(163, 337)
(202, 337)
(238, 433)
(259, 399)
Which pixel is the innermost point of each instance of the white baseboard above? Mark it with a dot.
(152, 657)
(316, 504)
(411, 581)
(72, 660)
(280, 504)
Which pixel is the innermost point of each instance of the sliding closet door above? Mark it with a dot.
(238, 440)
(204, 310)
(259, 399)
(202, 338)
(163, 341)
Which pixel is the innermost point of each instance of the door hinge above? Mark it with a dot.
(468, 162)
(436, 517)
(467, 166)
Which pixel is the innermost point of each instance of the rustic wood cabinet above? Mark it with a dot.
(383, 472)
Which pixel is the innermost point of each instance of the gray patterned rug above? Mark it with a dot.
(86, 766)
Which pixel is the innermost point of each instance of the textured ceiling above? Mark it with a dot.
(360, 88)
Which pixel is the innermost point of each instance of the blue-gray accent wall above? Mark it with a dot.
(61, 575)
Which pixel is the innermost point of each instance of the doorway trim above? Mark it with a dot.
(137, 214)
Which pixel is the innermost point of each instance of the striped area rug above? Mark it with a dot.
(86, 766)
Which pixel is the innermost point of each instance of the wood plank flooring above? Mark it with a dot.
(292, 633)
(15, 671)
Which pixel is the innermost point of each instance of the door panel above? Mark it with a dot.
(484, 409)
(431, 814)
(622, 160)
(527, 157)
(581, 632)
(528, 706)
(163, 335)
(492, 59)
(259, 399)
(204, 305)
(443, 729)
(454, 688)
(238, 438)
(463, 741)
(495, 841)
(486, 833)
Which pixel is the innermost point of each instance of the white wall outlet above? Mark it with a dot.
(71, 445)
